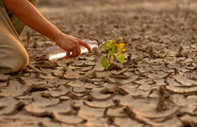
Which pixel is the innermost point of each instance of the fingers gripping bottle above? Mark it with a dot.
(55, 52)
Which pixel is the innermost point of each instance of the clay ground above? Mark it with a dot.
(156, 86)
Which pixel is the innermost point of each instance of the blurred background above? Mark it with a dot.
(103, 2)
(139, 22)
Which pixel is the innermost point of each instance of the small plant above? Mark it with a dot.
(114, 50)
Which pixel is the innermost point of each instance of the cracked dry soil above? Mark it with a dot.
(156, 87)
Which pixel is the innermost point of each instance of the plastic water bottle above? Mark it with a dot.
(55, 52)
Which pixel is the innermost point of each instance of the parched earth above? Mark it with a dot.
(156, 86)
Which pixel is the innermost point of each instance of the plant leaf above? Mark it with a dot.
(108, 65)
(110, 45)
(121, 45)
(124, 50)
(103, 61)
(120, 58)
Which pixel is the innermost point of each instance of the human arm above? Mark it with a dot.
(30, 16)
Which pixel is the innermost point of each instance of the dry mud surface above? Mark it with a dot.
(156, 87)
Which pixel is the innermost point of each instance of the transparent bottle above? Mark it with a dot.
(55, 52)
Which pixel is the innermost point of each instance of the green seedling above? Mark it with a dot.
(114, 50)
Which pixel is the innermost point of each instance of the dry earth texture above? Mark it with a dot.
(156, 86)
